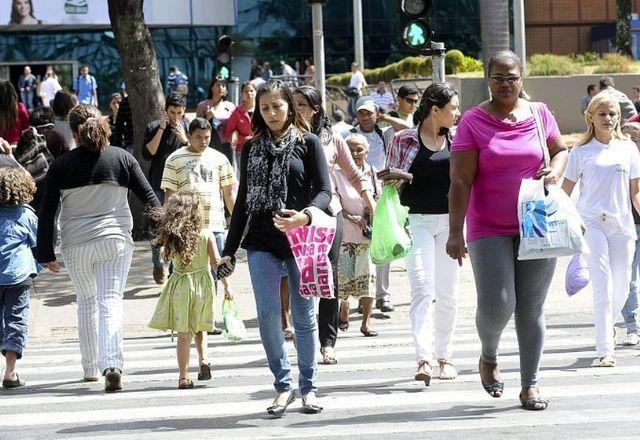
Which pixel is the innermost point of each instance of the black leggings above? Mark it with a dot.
(328, 308)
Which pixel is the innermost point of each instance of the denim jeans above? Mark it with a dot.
(14, 317)
(630, 309)
(27, 99)
(155, 250)
(265, 270)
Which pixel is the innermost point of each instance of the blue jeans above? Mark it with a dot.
(14, 317)
(265, 270)
(630, 309)
(155, 250)
(27, 99)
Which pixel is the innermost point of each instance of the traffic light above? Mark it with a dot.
(223, 57)
(416, 24)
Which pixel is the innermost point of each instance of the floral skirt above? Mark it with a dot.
(356, 272)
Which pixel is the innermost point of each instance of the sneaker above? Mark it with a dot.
(158, 274)
(384, 305)
(631, 339)
(112, 380)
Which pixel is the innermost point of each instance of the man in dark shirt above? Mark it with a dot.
(161, 138)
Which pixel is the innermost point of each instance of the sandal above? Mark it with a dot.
(310, 404)
(424, 373)
(280, 410)
(534, 403)
(607, 361)
(185, 383)
(494, 389)
(289, 334)
(205, 371)
(343, 325)
(368, 333)
(447, 370)
(328, 356)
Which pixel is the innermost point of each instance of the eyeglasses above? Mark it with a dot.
(511, 80)
(411, 101)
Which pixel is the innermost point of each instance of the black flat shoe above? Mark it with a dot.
(205, 372)
(494, 389)
(369, 333)
(112, 380)
(8, 383)
(310, 408)
(280, 410)
(533, 403)
(185, 384)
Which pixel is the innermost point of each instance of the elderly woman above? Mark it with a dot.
(92, 183)
(495, 147)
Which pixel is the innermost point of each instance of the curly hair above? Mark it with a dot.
(179, 227)
(92, 130)
(16, 186)
(8, 105)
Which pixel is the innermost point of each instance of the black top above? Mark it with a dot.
(428, 193)
(308, 185)
(168, 144)
(81, 167)
(122, 130)
(636, 217)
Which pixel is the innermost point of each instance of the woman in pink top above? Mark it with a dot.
(217, 110)
(14, 117)
(495, 147)
(240, 121)
(309, 105)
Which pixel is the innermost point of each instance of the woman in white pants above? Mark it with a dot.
(425, 151)
(607, 164)
(91, 183)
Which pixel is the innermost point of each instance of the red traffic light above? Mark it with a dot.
(415, 8)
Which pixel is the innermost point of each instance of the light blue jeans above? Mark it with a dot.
(630, 309)
(265, 270)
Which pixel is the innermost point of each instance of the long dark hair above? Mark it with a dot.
(258, 123)
(320, 119)
(8, 105)
(438, 94)
(62, 104)
(216, 79)
(15, 17)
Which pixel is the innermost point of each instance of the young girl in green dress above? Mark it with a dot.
(186, 302)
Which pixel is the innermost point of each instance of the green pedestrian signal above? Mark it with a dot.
(224, 72)
(415, 17)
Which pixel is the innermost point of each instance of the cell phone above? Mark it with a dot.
(223, 271)
(284, 214)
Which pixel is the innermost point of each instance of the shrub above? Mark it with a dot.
(471, 65)
(453, 61)
(587, 58)
(552, 65)
(613, 63)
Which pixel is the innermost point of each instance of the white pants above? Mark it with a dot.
(609, 259)
(99, 272)
(433, 276)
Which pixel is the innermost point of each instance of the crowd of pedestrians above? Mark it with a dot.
(243, 176)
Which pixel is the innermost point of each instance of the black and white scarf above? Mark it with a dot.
(268, 171)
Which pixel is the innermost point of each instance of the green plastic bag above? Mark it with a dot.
(390, 238)
(234, 329)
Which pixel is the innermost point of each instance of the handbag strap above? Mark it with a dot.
(542, 138)
(373, 182)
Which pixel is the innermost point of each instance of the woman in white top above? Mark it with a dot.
(607, 164)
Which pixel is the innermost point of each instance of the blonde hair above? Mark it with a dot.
(598, 100)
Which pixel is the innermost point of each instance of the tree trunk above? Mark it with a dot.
(494, 24)
(623, 27)
(140, 71)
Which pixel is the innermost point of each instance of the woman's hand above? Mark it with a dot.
(290, 219)
(226, 260)
(456, 247)
(356, 219)
(551, 176)
(53, 266)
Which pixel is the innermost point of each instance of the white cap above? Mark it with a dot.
(368, 104)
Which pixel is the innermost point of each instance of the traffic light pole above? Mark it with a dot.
(358, 43)
(318, 50)
(437, 61)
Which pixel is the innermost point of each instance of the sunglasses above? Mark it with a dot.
(411, 100)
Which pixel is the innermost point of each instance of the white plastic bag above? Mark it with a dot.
(550, 225)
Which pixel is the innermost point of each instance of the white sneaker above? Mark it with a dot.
(631, 339)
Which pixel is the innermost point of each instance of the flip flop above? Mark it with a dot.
(185, 383)
(328, 356)
(369, 333)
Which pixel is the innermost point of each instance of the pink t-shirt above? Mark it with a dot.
(507, 153)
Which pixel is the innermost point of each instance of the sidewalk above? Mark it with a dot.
(53, 302)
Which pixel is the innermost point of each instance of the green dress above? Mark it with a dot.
(186, 302)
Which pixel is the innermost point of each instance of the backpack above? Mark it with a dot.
(32, 153)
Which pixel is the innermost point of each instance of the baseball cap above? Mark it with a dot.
(366, 103)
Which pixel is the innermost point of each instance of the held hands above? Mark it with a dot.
(551, 176)
(53, 266)
(289, 219)
(456, 247)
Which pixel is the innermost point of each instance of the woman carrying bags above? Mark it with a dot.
(495, 147)
(607, 165)
(283, 171)
(424, 152)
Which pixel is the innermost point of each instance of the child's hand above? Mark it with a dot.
(227, 293)
(53, 266)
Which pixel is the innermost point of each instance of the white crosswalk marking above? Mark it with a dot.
(369, 394)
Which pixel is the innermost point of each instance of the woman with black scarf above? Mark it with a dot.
(283, 171)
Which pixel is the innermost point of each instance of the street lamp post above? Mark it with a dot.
(358, 43)
(518, 31)
(318, 47)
